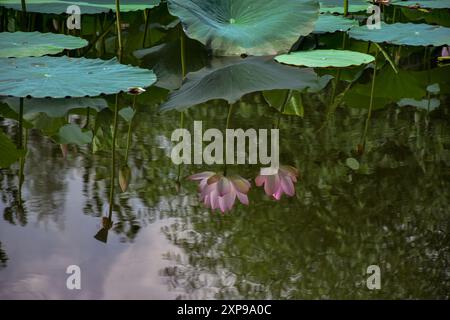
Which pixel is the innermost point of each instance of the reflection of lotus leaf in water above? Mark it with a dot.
(55, 107)
(234, 27)
(337, 6)
(34, 44)
(9, 153)
(429, 4)
(231, 78)
(328, 23)
(165, 61)
(60, 77)
(411, 34)
(325, 58)
(86, 6)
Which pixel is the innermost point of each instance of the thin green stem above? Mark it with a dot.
(181, 126)
(345, 7)
(369, 114)
(113, 157)
(147, 20)
(183, 53)
(119, 27)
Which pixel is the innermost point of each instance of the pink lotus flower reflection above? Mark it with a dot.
(282, 181)
(220, 192)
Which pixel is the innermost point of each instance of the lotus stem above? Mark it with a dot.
(147, 20)
(183, 53)
(181, 126)
(113, 157)
(369, 114)
(119, 27)
(345, 7)
(99, 38)
(21, 169)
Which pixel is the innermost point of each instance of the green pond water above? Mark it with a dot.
(386, 205)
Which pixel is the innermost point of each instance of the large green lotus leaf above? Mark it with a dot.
(337, 6)
(325, 58)
(234, 27)
(231, 78)
(328, 23)
(411, 34)
(9, 153)
(430, 4)
(86, 6)
(60, 77)
(55, 107)
(34, 44)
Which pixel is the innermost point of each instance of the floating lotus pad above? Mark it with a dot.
(325, 58)
(328, 23)
(234, 27)
(410, 34)
(337, 6)
(59, 77)
(429, 4)
(34, 44)
(86, 6)
(231, 78)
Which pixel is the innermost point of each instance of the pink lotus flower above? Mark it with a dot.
(220, 192)
(445, 52)
(280, 182)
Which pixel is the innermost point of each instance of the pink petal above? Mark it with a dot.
(287, 186)
(241, 184)
(272, 184)
(201, 175)
(242, 198)
(277, 195)
(224, 186)
(260, 180)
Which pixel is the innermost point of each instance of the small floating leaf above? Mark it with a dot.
(328, 23)
(352, 163)
(35, 44)
(325, 58)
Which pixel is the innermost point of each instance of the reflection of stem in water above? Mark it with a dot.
(183, 74)
(119, 27)
(21, 168)
(181, 127)
(129, 130)
(369, 114)
(230, 111)
(113, 157)
(24, 15)
(20, 120)
(146, 23)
